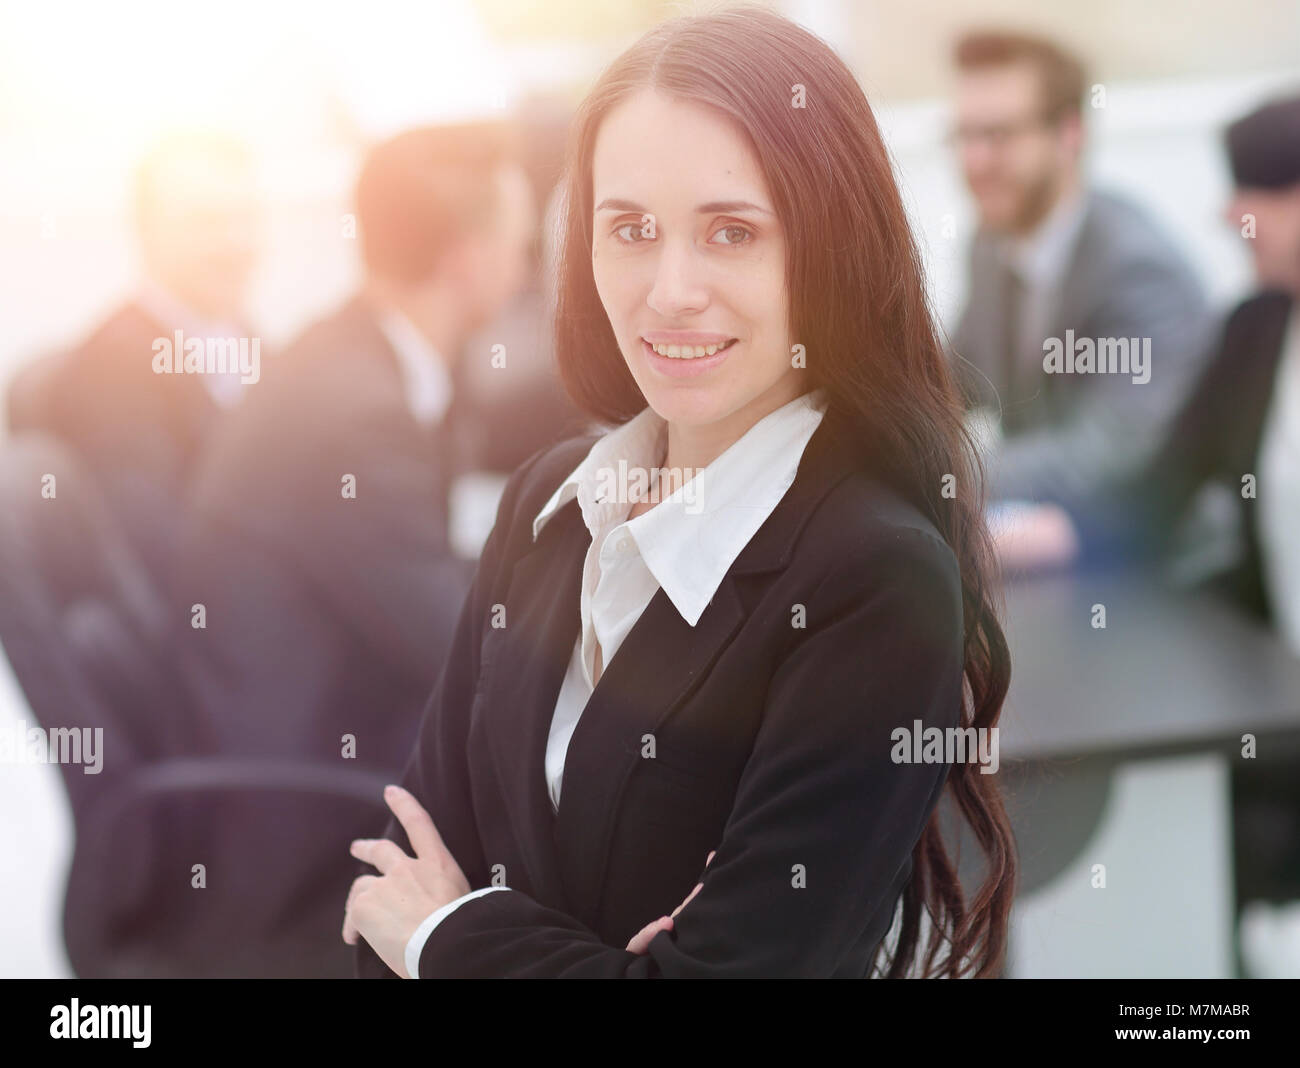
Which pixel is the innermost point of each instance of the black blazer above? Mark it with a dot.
(325, 615)
(773, 744)
(1216, 438)
(139, 432)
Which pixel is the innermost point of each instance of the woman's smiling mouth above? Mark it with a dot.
(690, 352)
(680, 359)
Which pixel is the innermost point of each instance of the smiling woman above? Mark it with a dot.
(664, 743)
(689, 256)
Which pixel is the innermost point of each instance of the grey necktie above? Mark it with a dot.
(1013, 299)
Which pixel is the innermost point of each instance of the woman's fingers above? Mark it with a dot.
(350, 932)
(383, 853)
(640, 941)
(418, 824)
(698, 886)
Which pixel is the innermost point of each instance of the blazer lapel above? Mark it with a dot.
(653, 671)
(661, 659)
(522, 668)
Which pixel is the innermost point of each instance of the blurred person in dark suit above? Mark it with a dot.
(1238, 436)
(85, 565)
(318, 535)
(519, 401)
(1240, 429)
(1054, 261)
(317, 542)
(139, 431)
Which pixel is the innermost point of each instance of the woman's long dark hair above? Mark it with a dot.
(859, 306)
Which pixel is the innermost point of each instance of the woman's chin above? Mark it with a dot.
(687, 406)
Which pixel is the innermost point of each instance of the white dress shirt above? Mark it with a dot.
(1279, 489)
(684, 545)
(425, 377)
(226, 390)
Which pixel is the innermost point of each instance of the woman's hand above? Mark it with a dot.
(640, 942)
(1034, 537)
(386, 909)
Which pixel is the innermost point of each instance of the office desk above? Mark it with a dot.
(1116, 750)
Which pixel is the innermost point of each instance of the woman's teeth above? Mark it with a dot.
(688, 352)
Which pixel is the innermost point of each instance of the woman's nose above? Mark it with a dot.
(679, 284)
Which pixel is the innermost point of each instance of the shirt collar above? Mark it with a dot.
(165, 308)
(690, 539)
(426, 381)
(1041, 257)
(638, 442)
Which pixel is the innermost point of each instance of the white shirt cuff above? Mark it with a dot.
(416, 945)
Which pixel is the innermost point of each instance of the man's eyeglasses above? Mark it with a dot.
(998, 135)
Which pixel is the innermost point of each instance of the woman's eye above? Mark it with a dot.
(735, 235)
(637, 233)
(630, 233)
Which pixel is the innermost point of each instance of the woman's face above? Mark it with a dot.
(688, 255)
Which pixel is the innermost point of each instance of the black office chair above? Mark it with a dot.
(83, 619)
(85, 627)
(272, 838)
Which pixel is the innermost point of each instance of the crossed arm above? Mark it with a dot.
(823, 822)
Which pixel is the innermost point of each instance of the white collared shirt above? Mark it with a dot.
(226, 390)
(1045, 252)
(684, 545)
(425, 377)
(1040, 260)
(1279, 488)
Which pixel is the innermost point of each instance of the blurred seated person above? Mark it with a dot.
(317, 555)
(137, 430)
(1054, 261)
(1238, 436)
(513, 401)
(1240, 430)
(318, 542)
(515, 391)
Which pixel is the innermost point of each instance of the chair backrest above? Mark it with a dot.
(81, 617)
(267, 902)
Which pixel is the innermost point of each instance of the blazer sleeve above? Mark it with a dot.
(1192, 450)
(1085, 459)
(824, 819)
(444, 790)
(382, 562)
(1142, 515)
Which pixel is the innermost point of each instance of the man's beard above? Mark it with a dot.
(1035, 203)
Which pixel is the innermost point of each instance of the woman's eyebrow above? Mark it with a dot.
(714, 207)
(729, 207)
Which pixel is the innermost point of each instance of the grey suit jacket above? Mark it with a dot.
(1079, 436)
